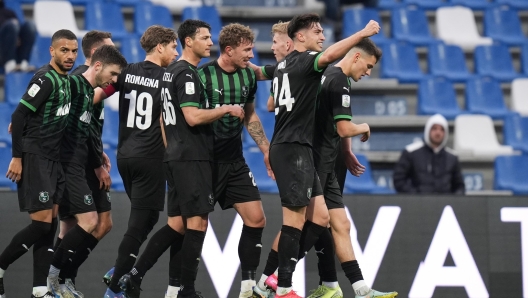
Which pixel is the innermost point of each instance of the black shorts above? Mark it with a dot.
(190, 188)
(41, 185)
(340, 170)
(144, 182)
(331, 190)
(234, 183)
(77, 197)
(294, 170)
(102, 199)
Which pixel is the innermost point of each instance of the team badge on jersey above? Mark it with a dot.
(345, 101)
(211, 199)
(88, 200)
(309, 193)
(33, 90)
(43, 196)
(108, 198)
(189, 88)
(245, 91)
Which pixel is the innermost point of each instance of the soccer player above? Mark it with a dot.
(100, 166)
(187, 162)
(38, 124)
(333, 121)
(105, 66)
(140, 146)
(295, 84)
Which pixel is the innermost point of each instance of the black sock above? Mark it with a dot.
(175, 265)
(310, 235)
(81, 254)
(272, 263)
(157, 245)
(42, 255)
(191, 251)
(352, 271)
(324, 248)
(288, 251)
(69, 244)
(22, 241)
(249, 249)
(57, 243)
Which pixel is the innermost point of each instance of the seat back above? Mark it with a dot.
(524, 59)
(255, 162)
(131, 49)
(105, 16)
(355, 19)
(409, 23)
(15, 6)
(50, 16)
(515, 131)
(493, 59)
(473, 4)
(502, 23)
(5, 159)
(40, 52)
(208, 14)
(16, 84)
(437, 95)
(110, 127)
(519, 96)
(519, 4)
(399, 58)
(484, 95)
(6, 110)
(428, 4)
(364, 183)
(510, 173)
(147, 14)
(447, 60)
(457, 25)
(475, 134)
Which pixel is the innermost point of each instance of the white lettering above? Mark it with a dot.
(86, 117)
(512, 214)
(225, 104)
(139, 80)
(64, 110)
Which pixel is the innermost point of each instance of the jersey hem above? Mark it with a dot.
(340, 117)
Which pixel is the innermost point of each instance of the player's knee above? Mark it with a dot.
(341, 225)
(256, 221)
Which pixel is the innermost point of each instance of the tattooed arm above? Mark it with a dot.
(256, 131)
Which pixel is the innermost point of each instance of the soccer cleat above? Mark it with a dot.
(272, 281)
(338, 293)
(110, 294)
(171, 296)
(290, 294)
(70, 287)
(54, 287)
(195, 295)
(129, 287)
(323, 292)
(375, 294)
(108, 276)
(246, 294)
(47, 295)
(258, 293)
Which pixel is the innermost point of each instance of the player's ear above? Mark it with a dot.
(229, 51)
(188, 41)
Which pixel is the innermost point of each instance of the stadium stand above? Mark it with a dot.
(106, 16)
(354, 19)
(519, 4)
(437, 95)
(456, 25)
(111, 126)
(131, 48)
(5, 118)
(5, 159)
(510, 173)
(484, 96)
(117, 181)
(496, 61)
(147, 14)
(401, 62)
(473, 4)
(410, 24)
(519, 90)
(515, 131)
(365, 183)
(427, 4)
(51, 16)
(448, 61)
(208, 13)
(502, 24)
(16, 84)
(388, 4)
(15, 6)
(524, 58)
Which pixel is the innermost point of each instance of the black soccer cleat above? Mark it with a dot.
(130, 288)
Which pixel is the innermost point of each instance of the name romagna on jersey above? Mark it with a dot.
(140, 110)
(181, 88)
(295, 83)
(224, 88)
(48, 96)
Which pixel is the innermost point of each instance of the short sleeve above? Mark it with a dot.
(188, 86)
(268, 71)
(37, 93)
(309, 61)
(253, 88)
(339, 96)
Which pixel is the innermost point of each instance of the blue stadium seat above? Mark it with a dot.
(129, 2)
(473, 4)
(428, 4)
(388, 4)
(5, 159)
(410, 24)
(364, 183)
(519, 4)
(437, 95)
(355, 19)
(496, 61)
(131, 49)
(208, 14)
(401, 62)
(448, 61)
(105, 16)
(5, 118)
(386, 141)
(503, 24)
(16, 84)
(510, 174)
(15, 6)
(515, 132)
(147, 14)
(524, 59)
(263, 93)
(110, 127)
(484, 96)
(117, 181)
(255, 161)
(40, 52)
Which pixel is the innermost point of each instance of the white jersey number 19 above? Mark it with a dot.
(284, 98)
(143, 105)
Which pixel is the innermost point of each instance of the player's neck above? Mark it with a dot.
(225, 63)
(89, 75)
(299, 47)
(88, 62)
(154, 59)
(190, 57)
(57, 69)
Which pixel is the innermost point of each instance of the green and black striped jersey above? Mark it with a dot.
(48, 96)
(75, 141)
(224, 88)
(333, 105)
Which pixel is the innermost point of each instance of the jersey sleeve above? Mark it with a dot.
(37, 93)
(187, 86)
(268, 70)
(253, 88)
(338, 92)
(309, 61)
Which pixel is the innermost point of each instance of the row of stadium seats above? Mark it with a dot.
(434, 4)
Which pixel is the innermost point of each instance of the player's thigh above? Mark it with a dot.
(241, 187)
(146, 182)
(193, 187)
(77, 197)
(331, 190)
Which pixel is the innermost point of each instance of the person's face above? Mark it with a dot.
(280, 46)
(437, 134)
(106, 74)
(361, 65)
(241, 55)
(314, 38)
(63, 54)
(202, 43)
(168, 53)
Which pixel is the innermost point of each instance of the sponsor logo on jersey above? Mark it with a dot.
(33, 90)
(64, 110)
(86, 117)
(347, 89)
(189, 88)
(167, 77)
(345, 101)
(245, 91)
(41, 81)
(139, 80)
(88, 200)
(43, 196)
(189, 75)
(219, 91)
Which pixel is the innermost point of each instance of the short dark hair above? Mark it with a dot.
(108, 54)
(93, 39)
(189, 28)
(63, 34)
(233, 35)
(155, 35)
(369, 47)
(300, 22)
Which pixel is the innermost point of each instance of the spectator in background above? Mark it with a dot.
(333, 7)
(429, 167)
(16, 41)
